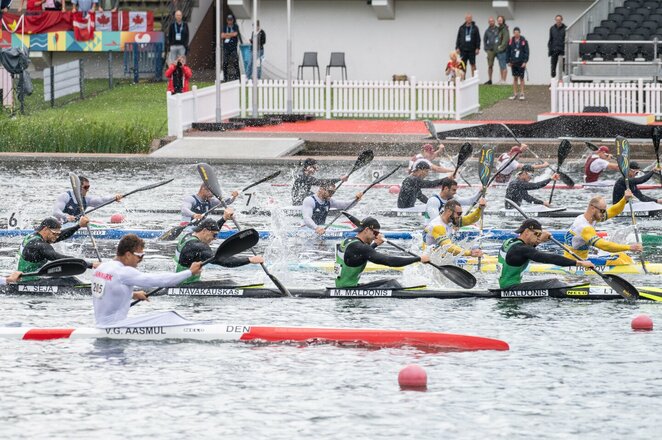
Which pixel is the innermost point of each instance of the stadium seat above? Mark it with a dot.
(649, 24)
(309, 60)
(630, 51)
(633, 4)
(609, 24)
(647, 52)
(656, 18)
(622, 10)
(618, 18)
(603, 31)
(651, 4)
(594, 37)
(587, 51)
(629, 24)
(644, 12)
(337, 60)
(621, 31)
(657, 11)
(637, 18)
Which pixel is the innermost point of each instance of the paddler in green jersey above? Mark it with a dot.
(516, 254)
(36, 248)
(195, 247)
(353, 254)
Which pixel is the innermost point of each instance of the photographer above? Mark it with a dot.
(179, 74)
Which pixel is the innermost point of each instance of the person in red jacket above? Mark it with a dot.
(179, 74)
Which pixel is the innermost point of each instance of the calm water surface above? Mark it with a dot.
(575, 369)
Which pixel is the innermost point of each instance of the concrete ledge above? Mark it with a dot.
(230, 148)
(636, 118)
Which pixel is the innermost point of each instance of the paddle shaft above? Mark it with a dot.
(266, 179)
(433, 132)
(145, 188)
(358, 164)
(634, 225)
(75, 187)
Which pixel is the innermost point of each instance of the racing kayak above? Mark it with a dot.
(609, 183)
(221, 290)
(372, 338)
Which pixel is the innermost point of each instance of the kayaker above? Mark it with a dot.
(439, 232)
(518, 189)
(305, 179)
(504, 176)
(113, 281)
(436, 203)
(195, 205)
(597, 163)
(582, 236)
(12, 278)
(353, 254)
(36, 248)
(516, 254)
(66, 208)
(316, 207)
(410, 190)
(195, 247)
(619, 187)
(428, 154)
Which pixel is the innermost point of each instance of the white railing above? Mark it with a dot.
(328, 99)
(199, 105)
(633, 97)
(6, 87)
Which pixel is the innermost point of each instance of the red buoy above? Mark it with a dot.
(413, 377)
(394, 189)
(116, 218)
(642, 323)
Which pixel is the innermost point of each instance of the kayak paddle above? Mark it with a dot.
(365, 157)
(564, 177)
(144, 188)
(591, 146)
(356, 200)
(209, 178)
(624, 288)
(64, 267)
(459, 276)
(564, 150)
(433, 132)
(485, 164)
(235, 244)
(623, 160)
(266, 179)
(465, 153)
(75, 188)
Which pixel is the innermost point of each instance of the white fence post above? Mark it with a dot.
(194, 112)
(327, 94)
(180, 115)
(242, 95)
(553, 88)
(459, 103)
(640, 96)
(413, 101)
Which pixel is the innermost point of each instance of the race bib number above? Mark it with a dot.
(178, 37)
(467, 38)
(98, 287)
(516, 53)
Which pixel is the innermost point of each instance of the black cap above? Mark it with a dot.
(516, 29)
(635, 165)
(528, 169)
(50, 223)
(310, 162)
(422, 165)
(230, 16)
(368, 222)
(529, 224)
(208, 224)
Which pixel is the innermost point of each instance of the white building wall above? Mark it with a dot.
(416, 42)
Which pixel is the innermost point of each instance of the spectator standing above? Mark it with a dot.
(4, 6)
(261, 41)
(467, 43)
(231, 37)
(502, 48)
(179, 75)
(455, 68)
(54, 5)
(84, 6)
(556, 44)
(31, 5)
(518, 56)
(178, 38)
(109, 5)
(490, 41)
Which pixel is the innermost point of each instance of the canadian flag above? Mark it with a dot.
(83, 26)
(137, 21)
(103, 21)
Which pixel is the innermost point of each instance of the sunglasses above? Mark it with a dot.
(139, 255)
(537, 233)
(331, 191)
(86, 187)
(602, 211)
(55, 231)
(375, 231)
(458, 213)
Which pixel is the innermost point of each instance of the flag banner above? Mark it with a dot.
(83, 26)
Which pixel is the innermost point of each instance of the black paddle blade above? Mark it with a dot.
(432, 129)
(236, 244)
(465, 153)
(624, 288)
(65, 267)
(591, 146)
(209, 178)
(351, 218)
(485, 164)
(266, 179)
(459, 276)
(656, 135)
(564, 150)
(172, 233)
(623, 155)
(566, 179)
(364, 159)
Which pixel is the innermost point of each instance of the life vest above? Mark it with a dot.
(590, 175)
(199, 206)
(25, 265)
(72, 207)
(320, 211)
(347, 276)
(181, 244)
(510, 275)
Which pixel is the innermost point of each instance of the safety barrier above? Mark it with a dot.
(6, 88)
(143, 58)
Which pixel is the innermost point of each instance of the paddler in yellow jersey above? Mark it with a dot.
(582, 235)
(440, 230)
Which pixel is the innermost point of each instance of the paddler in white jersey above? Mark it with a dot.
(427, 155)
(195, 205)
(504, 176)
(435, 204)
(66, 208)
(114, 281)
(597, 163)
(582, 236)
